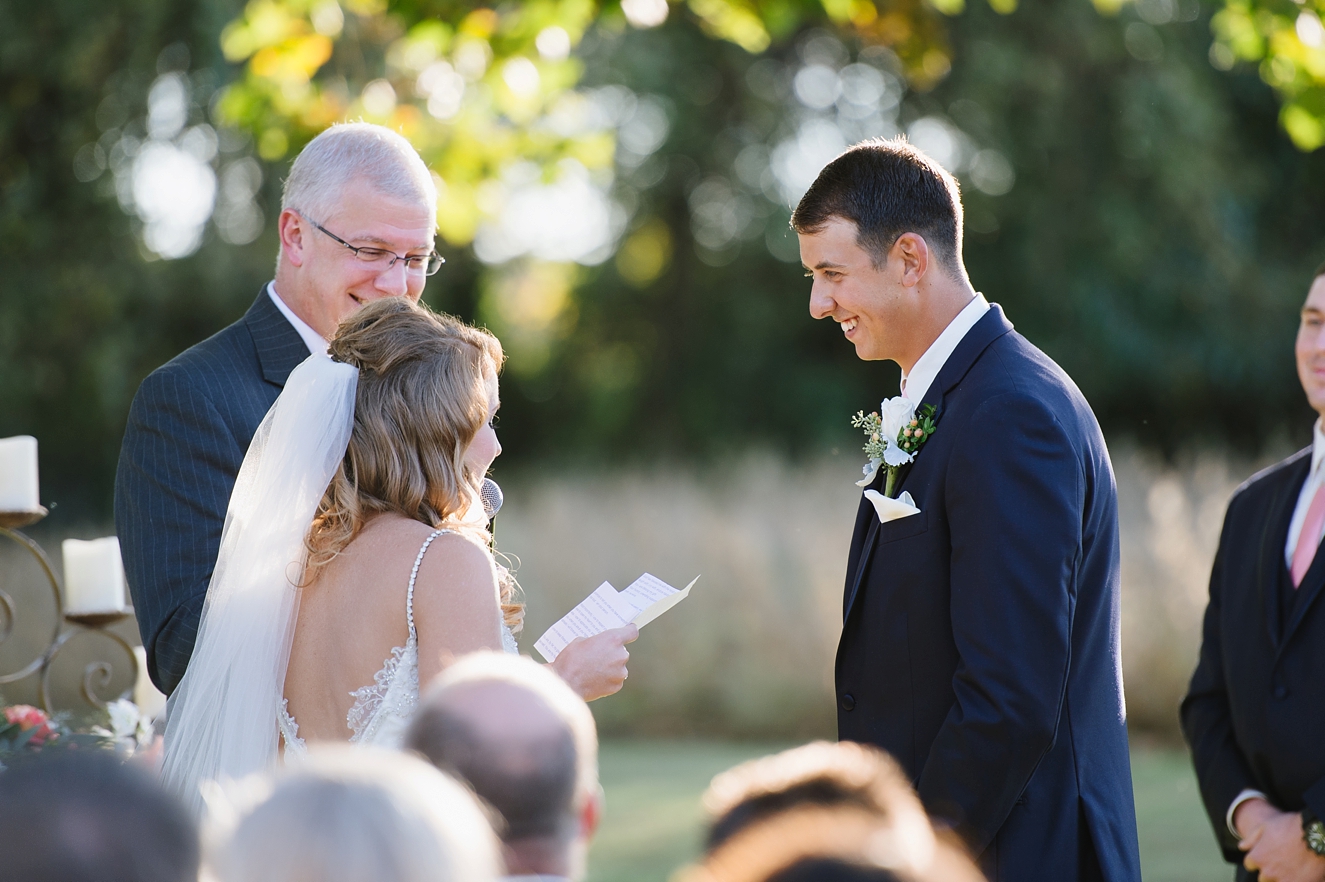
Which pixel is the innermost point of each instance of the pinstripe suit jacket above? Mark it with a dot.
(189, 427)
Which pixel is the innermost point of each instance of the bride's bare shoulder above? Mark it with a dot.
(394, 534)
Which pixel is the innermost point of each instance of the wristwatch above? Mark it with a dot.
(1313, 832)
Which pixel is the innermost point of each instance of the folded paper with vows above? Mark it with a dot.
(643, 601)
(892, 509)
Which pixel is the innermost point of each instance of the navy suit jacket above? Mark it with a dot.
(1254, 716)
(189, 427)
(980, 640)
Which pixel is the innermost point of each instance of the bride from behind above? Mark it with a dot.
(355, 561)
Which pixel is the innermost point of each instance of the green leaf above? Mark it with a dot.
(1305, 128)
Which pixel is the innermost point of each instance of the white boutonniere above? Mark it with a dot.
(893, 436)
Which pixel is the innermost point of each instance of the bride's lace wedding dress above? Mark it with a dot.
(382, 711)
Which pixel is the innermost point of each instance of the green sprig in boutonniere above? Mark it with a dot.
(893, 436)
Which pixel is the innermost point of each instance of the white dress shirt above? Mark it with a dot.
(312, 339)
(917, 382)
(1314, 479)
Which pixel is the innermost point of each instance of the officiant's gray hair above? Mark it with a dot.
(350, 151)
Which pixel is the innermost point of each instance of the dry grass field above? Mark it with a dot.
(653, 820)
(750, 653)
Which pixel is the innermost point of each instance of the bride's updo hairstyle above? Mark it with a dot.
(421, 400)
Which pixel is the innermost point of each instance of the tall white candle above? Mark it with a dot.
(93, 575)
(149, 699)
(18, 474)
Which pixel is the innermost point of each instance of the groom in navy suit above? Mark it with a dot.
(980, 638)
(357, 222)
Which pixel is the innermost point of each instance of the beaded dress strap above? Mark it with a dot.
(414, 574)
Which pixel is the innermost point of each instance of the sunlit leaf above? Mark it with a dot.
(1305, 128)
(949, 7)
(734, 21)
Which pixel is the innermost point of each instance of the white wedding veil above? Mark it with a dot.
(221, 720)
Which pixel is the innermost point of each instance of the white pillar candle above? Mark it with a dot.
(93, 575)
(149, 699)
(18, 474)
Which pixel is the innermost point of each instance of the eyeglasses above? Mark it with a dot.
(382, 260)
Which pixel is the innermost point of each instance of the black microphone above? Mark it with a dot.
(492, 498)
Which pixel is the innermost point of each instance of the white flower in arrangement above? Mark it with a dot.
(895, 414)
(127, 724)
(123, 718)
(894, 435)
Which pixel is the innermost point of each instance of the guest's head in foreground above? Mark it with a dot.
(842, 843)
(880, 233)
(423, 436)
(359, 814)
(527, 745)
(85, 817)
(819, 774)
(358, 220)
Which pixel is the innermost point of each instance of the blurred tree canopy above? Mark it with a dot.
(1286, 39)
(617, 179)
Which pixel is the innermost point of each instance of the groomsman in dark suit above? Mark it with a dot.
(1255, 713)
(357, 223)
(980, 637)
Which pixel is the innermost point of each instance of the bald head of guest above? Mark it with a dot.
(527, 745)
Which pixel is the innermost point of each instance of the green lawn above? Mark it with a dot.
(651, 825)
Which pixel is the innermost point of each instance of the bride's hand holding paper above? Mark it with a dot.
(595, 666)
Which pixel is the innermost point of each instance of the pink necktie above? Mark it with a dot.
(1309, 538)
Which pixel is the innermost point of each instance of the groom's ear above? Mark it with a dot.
(911, 257)
(291, 227)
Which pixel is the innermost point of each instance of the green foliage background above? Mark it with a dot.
(1159, 237)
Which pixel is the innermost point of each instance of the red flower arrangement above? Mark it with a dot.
(28, 725)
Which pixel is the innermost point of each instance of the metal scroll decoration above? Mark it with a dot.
(97, 675)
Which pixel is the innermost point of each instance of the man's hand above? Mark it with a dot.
(596, 666)
(1273, 842)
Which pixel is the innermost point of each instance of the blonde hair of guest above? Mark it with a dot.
(422, 398)
(358, 814)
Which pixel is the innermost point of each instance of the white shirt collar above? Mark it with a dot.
(927, 367)
(312, 339)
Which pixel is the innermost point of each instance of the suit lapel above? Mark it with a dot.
(279, 346)
(1273, 538)
(1308, 591)
(1314, 578)
(866, 551)
(992, 325)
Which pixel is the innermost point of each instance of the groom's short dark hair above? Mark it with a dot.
(887, 187)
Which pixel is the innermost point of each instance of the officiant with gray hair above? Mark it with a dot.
(357, 223)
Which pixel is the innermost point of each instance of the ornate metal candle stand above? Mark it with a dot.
(97, 674)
